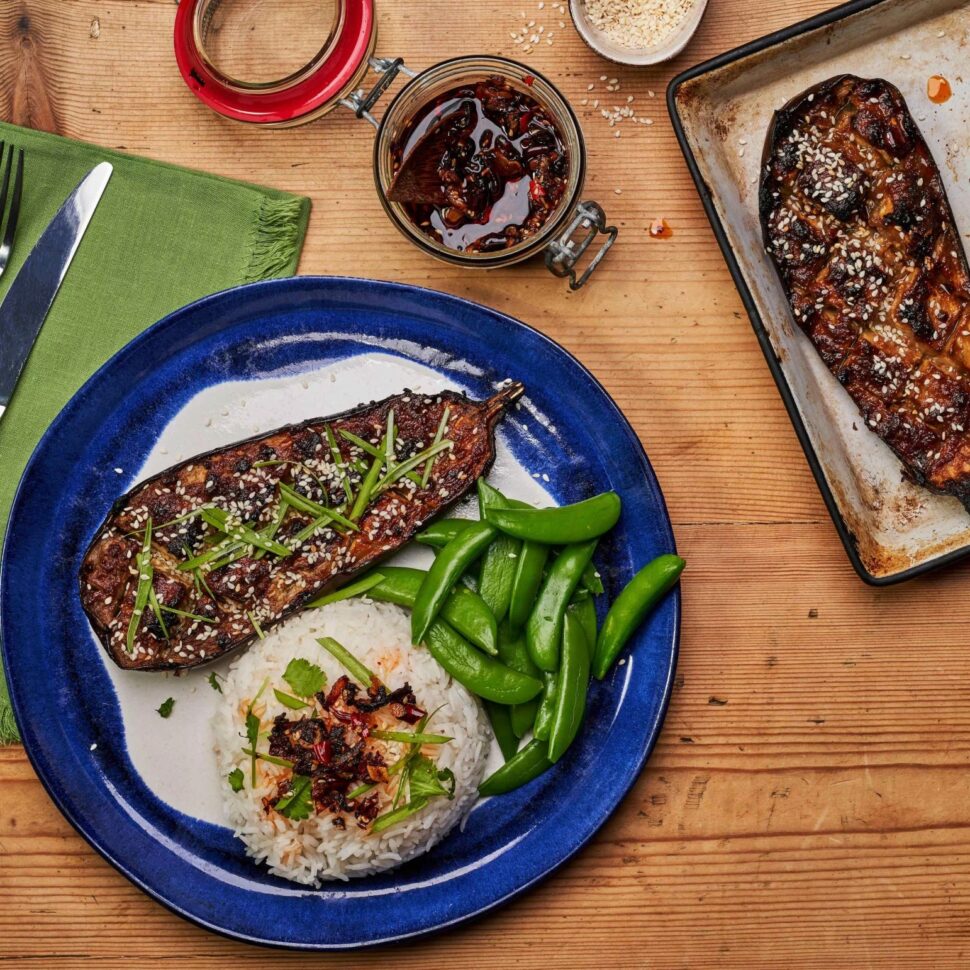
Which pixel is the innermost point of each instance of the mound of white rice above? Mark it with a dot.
(315, 850)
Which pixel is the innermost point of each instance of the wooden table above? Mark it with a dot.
(807, 802)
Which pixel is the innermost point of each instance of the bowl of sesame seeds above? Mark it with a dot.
(638, 32)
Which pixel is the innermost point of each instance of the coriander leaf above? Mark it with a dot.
(166, 707)
(298, 803)
(214, 682)
(304, 677)
(235, 779)
(426, 780)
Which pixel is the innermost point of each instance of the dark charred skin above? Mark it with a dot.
(857, 222)
(271, 587)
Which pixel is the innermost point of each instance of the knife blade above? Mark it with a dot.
(32, 292)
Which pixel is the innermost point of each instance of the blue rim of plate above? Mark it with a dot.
(196, 869)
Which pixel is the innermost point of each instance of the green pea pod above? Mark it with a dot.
(585, 611)
(464, 610)
(513, 652)
(522, 717)
(525, 584)
(565, 525)
(481, 674)
(440, 533)
(445, 571)
(571, 691)
(547, 706)
(522, 767)
(500, 717)
(592, 581)
(631, 607)
(498, 563)
(543, 631)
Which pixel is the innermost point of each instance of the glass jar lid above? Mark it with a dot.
(275, 64)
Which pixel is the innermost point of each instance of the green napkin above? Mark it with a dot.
(161, 237)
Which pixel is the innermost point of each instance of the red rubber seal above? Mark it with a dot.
(327, 82)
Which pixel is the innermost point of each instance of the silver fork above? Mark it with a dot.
(10, 228)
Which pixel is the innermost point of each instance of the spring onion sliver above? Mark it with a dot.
(367, 487)
(373, 451)
(398, 815)
(272, 759)
(442, 424)
(340, 464)
(145, 572)
(288, 700)
(188, 616)
(220, 520)
(356, 588)
(349, 661)
(406, 466)
(406, 737)
(157, 610)
(304, 504)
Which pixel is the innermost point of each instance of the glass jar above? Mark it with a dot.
(339, 58)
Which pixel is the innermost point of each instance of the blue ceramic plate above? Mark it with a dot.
(137, 787)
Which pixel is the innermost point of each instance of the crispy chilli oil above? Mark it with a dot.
(333, 748)
(503, 170)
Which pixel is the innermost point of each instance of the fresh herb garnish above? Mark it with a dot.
(303, 677)
(165, 708)
(157, 609)
(351, 589)
(236, 778)
(304, 504)
(288, 700)
(298, 803)
(188, 616)
(429, 465)
(255, 623)
(252, 730)
(406, 737)
(373, 451)
(367, 486)
(426, 780)
(143, 563)
(398, 814)
(354, 667)
(214, 682)
(272, 759)
(406, 466)
(274, 526)
(340, 464)
(219, 519)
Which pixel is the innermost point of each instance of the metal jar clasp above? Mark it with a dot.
(388, 68)
(563, 253)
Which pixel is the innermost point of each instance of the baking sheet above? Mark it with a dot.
(892, 528)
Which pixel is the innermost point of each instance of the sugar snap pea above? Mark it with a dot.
(630, 608)
(481, 674)
(544, 628)
(500, 717)
(547, 706)
(522, 767)
(464, 610)
(585, 611)
(564, 525)
(445, 571)
(498, 563)
(522, 717)
(526, 581)
(440, 533)
(573, 681)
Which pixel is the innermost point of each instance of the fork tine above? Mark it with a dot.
(18, 186)
(6, 180)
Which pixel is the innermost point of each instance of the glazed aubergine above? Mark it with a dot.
(856, 219)
(203, 557)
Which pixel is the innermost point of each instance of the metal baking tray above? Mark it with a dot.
(721, 109)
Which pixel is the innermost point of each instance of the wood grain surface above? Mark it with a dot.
(807, 802)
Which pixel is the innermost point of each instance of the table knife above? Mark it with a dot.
(33, 290)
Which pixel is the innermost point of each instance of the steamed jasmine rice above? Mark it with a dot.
(315, 849)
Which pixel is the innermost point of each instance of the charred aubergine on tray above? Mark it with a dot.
(857, 221)
(202, 558)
